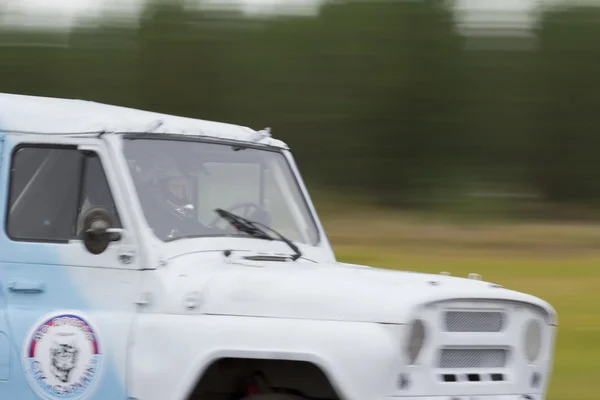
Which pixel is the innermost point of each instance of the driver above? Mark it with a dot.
(170, 189)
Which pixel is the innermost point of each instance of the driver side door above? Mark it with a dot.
(69, 311)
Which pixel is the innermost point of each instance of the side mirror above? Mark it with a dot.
(97, 232)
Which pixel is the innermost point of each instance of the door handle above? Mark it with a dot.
(26, 287)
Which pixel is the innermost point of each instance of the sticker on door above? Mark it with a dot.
(62, 356)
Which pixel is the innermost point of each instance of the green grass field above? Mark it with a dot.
(559, 263)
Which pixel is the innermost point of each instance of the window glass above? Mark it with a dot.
(180, 183)
(95, 191)
(47, 195)
(226, 183)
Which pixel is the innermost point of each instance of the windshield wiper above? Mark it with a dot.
(256, 229)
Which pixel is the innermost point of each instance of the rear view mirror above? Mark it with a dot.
(97, 230)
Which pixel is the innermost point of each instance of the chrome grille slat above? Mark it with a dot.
(474, 321)
(473, 358)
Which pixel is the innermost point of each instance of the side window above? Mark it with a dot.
(95, 191)
(49, 188)
(43, 193)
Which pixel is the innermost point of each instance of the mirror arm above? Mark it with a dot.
(98, 227)
(116, 234)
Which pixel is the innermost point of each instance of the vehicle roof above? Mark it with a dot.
(48, 115)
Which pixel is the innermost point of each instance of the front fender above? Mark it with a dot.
(169, 353)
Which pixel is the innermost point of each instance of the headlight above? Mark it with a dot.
(533, 340)
(416, 339)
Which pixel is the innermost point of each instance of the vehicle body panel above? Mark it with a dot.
(64, 276)
(323, 291)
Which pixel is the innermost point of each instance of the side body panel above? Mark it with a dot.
(339, 349)
(69, 312)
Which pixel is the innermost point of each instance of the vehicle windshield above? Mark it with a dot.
(180, 183)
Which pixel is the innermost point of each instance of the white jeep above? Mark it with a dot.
(152, 257)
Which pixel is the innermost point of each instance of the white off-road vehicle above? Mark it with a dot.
(152, 257)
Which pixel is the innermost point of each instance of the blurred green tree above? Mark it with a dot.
(378, 97)
(566, 159)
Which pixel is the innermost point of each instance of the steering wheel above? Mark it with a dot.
(246, 206)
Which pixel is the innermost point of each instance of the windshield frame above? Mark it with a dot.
(294, 173)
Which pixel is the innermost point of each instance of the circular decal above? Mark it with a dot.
(62, 356)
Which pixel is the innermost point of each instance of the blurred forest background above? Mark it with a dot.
(385, 98)
(427, 146)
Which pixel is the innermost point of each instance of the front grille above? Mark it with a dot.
(473, 358)
(474, 321)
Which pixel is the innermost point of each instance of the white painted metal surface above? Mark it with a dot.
(181, 305)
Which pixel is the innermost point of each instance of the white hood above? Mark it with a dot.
(307, 290)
